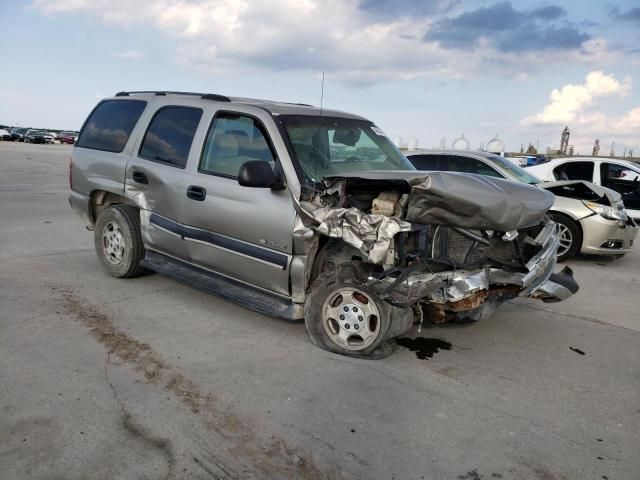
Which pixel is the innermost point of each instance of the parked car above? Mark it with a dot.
(68, 137)
(35, 136)
(298, 212)
(5, 135)
(619, 175)
(49, 137)
(592, 219)
(17, 134)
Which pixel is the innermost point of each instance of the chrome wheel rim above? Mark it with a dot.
(113, 243)
(566, 240)
(351, 319)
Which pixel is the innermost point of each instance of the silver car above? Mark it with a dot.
(592, 219)
(298, 213)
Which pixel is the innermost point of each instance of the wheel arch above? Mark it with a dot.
(574, 220)
(101, 199)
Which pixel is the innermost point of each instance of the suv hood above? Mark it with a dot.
(460, 199)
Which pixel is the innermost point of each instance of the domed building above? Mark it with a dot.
(460, 143)
(496, 146)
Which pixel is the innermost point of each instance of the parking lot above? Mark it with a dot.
(147, 378)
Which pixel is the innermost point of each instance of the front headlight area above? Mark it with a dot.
(610, 213)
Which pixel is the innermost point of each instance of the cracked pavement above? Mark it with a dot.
(147, 378)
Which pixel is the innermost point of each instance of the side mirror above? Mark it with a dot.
(258, 174)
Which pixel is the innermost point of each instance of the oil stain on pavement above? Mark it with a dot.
(424, 347)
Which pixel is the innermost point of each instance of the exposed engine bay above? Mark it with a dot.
(457, 245)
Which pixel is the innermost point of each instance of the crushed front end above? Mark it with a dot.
(452, 247)
(462, 275)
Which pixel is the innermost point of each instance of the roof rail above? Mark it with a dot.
(162, 93)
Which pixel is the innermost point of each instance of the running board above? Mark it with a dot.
(229, 289)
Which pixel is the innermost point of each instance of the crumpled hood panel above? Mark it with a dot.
(469, 201)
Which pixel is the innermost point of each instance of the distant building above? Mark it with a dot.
(460, 143)
(564, 140)
(496, 146)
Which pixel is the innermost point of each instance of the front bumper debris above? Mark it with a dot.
(464, 293)
(560, 286)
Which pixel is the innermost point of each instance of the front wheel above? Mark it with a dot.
(344, 317)
(118, 241)
(570, 236)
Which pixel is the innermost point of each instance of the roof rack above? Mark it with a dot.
(162, 93)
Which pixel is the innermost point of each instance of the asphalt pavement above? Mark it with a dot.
(102, 378)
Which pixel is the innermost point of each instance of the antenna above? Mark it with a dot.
(322, 94)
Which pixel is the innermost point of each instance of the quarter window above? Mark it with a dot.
(234, 139)
(170, 135)
(110, 124)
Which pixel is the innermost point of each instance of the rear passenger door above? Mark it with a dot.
(242, 232)
(156, 178)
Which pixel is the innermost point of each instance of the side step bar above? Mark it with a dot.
(229, 289)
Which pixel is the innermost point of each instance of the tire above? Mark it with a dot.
(570, 236)
(341, 288)
(118, 241)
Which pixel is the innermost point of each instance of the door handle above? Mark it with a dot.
(140, 177)
(197, 193)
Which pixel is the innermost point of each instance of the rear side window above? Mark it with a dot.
(427, 162)
(470, 165)
(170, 135)
(110, 124)
(574, 171)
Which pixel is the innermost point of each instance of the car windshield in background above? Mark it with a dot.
(325, 146)
(514, 171)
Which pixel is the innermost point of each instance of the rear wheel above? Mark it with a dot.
(570, 236)
(118, 241)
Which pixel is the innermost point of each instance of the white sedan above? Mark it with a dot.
(619, 175)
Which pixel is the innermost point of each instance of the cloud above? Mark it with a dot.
(358, 42)
(632, 15)
(576, 105)
(570, 103)
(550, 12)
(129, 55)
(508, 29)
(404, 8)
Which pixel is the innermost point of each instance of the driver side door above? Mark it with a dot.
(245, 233)
(616, 177)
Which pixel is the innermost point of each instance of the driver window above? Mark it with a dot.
(617, 173)
(234, 139)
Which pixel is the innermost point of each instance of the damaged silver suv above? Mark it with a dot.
(298, 213)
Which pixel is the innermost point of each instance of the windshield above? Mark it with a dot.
(514, 171)
(326, 146)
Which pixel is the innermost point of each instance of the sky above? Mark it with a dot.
(428, 69)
